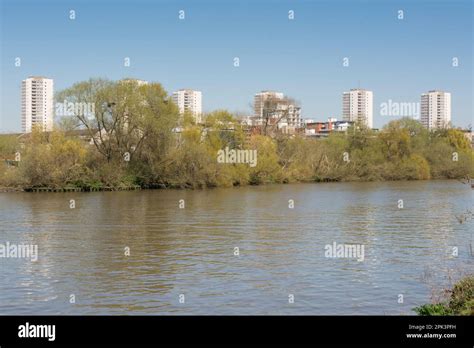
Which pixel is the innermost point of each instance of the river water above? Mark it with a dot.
(185, 261)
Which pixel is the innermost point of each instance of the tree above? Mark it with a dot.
(52, 160)
(275, 110)
(457, 139)
(396, 140)
(267, 168)
(126, 114)
(359, 136)
(9, 144)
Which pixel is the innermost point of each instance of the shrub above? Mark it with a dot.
(460, 301)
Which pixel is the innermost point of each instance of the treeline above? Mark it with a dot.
(136, 136)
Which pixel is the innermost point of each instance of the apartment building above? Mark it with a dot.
(189, 100)
(435, 109)
(37, 107)
(357, 106)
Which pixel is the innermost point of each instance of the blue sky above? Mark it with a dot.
(396, 59)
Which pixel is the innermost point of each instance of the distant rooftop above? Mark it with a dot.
(360, 89)
(187, 90)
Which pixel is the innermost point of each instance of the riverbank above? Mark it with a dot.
(458, 301)
(164, 187)
(10, 189)
(403, 150)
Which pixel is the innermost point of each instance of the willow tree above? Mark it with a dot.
(128, 118)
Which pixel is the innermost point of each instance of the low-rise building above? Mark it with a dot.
(323, 128)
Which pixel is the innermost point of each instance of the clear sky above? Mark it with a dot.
(303, 58)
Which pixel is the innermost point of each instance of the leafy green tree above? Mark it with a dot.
(267, 169)
(457, 139)
(126, 114)
(9, 145)
(396, 141)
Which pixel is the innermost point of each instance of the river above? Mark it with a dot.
(139, 252)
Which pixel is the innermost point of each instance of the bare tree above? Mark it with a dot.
(275, 110)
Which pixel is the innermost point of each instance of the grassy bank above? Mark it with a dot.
(459, 301)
